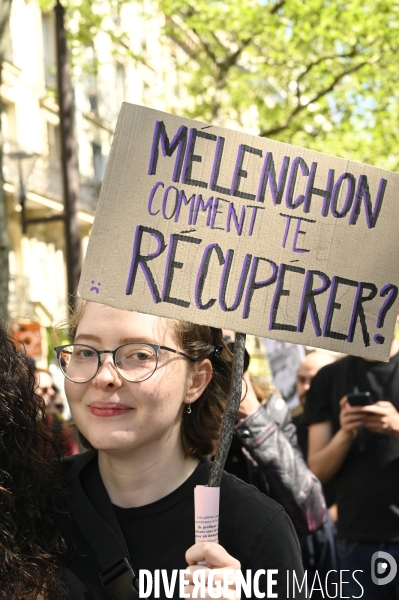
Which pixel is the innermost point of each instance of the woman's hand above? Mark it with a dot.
(217, 578)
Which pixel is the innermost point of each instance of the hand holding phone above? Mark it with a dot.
(351, 415)
(360, 399)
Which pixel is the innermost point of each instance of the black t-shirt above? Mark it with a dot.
(252, 528)
(367, 485)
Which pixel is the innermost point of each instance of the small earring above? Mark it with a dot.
(189, 407)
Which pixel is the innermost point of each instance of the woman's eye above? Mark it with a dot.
(135, 354)
(139, 355)
(84, 353)
(142, 356)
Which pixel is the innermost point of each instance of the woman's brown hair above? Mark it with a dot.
(200, 429)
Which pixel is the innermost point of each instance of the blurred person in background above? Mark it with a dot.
(57, 402)
(31, 547)
(319, 552)
(265, 453)
(308, 368)
(63, 435)
(359, 445)
(45, 387)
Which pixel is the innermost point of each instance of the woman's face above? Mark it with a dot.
(115, 414)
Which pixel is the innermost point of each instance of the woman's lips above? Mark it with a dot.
(108, 410)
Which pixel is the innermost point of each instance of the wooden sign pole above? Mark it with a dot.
(230, 415)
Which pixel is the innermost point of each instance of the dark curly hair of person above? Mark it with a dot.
(31, 493)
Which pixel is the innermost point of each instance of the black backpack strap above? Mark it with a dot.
(98, 523)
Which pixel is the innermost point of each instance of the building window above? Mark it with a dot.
(54, 141)
(8, 126)
(8, 129)
(99, 161)
(7, 44)
(49, 50)
(91, 78)
(120, 84)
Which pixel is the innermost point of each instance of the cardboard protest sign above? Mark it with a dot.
(204, 224)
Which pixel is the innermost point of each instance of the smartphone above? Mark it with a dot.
(360, 399)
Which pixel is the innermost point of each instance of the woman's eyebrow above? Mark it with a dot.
(141, 338)
(88, 336)
(125, 340)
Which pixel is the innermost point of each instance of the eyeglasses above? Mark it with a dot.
(135, 362)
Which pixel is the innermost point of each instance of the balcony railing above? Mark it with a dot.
(45, 179)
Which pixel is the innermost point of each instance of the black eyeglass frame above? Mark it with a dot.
(155, 347)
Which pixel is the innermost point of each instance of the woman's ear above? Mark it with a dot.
(199, 380)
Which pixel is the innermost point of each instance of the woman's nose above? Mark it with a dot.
(107, 373)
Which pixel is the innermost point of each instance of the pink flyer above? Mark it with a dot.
(206, 502)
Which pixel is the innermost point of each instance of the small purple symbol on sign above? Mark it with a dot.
(95, 288)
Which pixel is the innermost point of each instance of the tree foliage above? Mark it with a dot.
(316, 73)
(85, 19)
(320, 73)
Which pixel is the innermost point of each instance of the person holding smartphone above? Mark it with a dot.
(352, 410)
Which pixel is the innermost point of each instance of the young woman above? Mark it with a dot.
(31, 548)
(147, 394)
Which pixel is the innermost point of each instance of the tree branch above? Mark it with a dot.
(232, 58)
(192, 50)
(300, 107)
(354, 52)
(277, 7)
(208, 50)
(321, 59)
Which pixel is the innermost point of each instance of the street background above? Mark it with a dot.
(318, 74)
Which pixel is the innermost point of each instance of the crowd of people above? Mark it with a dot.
(313, 491)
